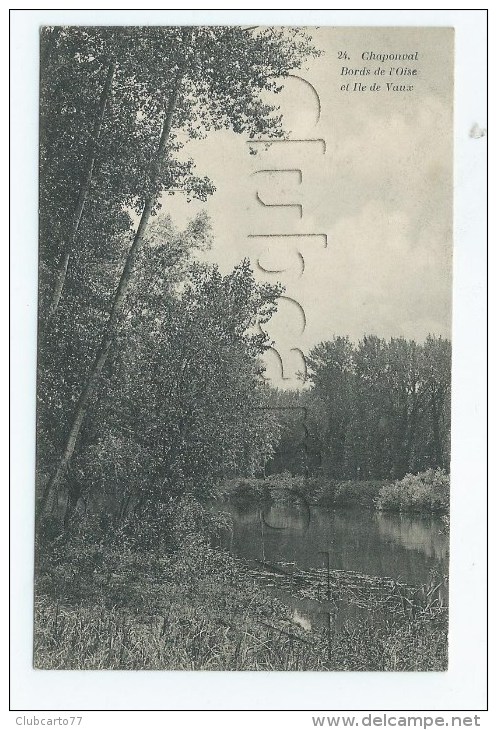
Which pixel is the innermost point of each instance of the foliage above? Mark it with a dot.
(197, 409)
(446, 525)
(100, 555)
(197, 609)
(285, 487)
(117, 106)
(373, 410)
(428, 491)
(130, 577)
(215, 93)
(196, 412)
(348, 493)
(243, 490)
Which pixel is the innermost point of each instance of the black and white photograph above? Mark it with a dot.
(243, 427)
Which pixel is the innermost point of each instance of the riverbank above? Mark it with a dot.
(426, 492)
(285, 488)
(198, 608)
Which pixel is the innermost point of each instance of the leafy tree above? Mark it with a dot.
(206, 78)
(377, 409)
(196, 412)
(436, 384)
(101, 105)
(330, 369)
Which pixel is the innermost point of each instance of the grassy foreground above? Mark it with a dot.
(114, 606)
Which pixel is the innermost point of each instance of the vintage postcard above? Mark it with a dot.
(244, 348)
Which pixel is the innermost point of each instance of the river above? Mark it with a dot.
(408, 548)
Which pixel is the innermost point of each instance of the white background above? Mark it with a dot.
(463, 687)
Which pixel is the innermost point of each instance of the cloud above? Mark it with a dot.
(382, 194)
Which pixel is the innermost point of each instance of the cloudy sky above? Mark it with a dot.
(372, 196)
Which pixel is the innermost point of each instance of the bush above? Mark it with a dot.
(244, 491)
(428, 491)
(165, 527)
(100, 555)
(288, 488)
(349, 493)
(249, 490)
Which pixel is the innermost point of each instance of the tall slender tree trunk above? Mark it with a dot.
(68, 245)
(49, 497)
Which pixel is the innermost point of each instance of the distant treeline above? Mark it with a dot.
(376, 409)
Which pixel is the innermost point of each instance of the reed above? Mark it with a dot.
(200, 610)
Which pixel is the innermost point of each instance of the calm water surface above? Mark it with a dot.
(405, 547)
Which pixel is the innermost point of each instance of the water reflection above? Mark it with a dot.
(383, 544)
(286, 517)
(413, 533)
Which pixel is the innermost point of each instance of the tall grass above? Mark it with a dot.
(196, 638)
(197, 608)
